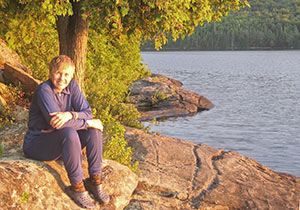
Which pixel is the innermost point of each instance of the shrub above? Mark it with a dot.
(158, 97)
(111, 67)
(34, 38)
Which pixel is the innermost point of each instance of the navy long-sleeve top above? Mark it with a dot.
(46, 100)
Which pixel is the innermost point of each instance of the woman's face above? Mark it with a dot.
(61, 78)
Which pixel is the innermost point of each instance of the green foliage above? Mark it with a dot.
(271, 24)
(159, 96)
(108, 88)
(116, 147)
(147, 19)
(147, 128)
(31, 33)
(127, 114)
(155, 20)
(24, 197)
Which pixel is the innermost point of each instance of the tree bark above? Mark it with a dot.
(73, 36)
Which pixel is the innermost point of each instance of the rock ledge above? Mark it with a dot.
(159, 96)
(182, 175)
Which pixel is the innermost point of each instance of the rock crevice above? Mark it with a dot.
(205, 178)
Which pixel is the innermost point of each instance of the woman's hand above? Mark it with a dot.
(95, 123)
(59, 119)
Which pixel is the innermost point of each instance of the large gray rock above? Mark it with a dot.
(182, 175)
(159, 96)
(28, 184)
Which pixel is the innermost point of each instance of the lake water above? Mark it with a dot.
(256, 97)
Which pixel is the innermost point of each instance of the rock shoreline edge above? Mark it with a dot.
(175, 174)
(158, 96)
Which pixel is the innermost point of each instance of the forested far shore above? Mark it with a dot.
(267, 24)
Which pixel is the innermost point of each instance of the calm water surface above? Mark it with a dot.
(256, 98)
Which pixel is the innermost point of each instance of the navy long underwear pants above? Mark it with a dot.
(68, 144)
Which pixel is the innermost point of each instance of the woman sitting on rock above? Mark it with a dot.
(60, 126)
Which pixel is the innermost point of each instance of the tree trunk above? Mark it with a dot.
(73, 36)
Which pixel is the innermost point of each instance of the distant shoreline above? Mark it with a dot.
(250, 49)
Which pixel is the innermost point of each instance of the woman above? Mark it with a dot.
(61, 125)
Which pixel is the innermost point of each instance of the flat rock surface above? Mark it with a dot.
(159, 96)
(182, 175)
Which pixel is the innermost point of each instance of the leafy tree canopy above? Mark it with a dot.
(151, 19)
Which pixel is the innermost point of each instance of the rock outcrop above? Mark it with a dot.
(159, 96)
(17, 76)
(182, 175)
(175, 174)
(28, 184)
(12, 70)
(8, 55)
